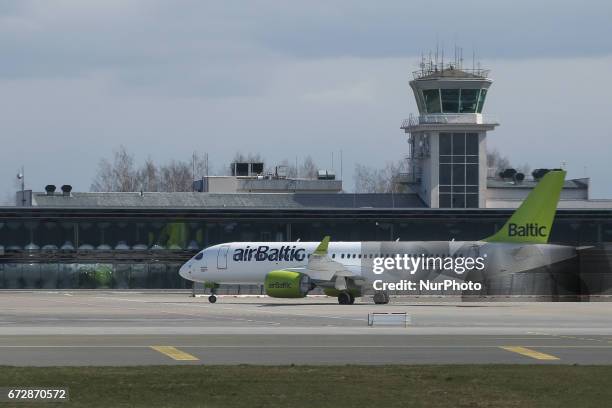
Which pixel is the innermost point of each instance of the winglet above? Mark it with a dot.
(322, 247)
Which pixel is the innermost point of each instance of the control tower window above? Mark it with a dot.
(450, 100)
(481, 99)
(446, 144)
(458, 171)
(469, 100)
(471, 146)
(432, 100)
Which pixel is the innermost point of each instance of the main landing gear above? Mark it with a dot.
(345, 298)
(381, 298)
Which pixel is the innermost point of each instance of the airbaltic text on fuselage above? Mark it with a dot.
(285, 253)
(527, 230)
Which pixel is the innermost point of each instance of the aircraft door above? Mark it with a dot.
(222, 257)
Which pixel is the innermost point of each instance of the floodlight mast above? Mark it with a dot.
(21, 177)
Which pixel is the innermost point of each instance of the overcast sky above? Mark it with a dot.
(285, 79)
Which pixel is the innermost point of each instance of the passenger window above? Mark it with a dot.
(342, 256)
(333, 255)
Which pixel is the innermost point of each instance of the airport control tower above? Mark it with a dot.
(447, 159)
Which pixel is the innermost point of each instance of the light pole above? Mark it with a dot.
(20, 176)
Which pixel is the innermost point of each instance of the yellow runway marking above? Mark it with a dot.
(175, 353)
(529, 353)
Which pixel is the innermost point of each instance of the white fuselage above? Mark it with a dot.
(250, 262)
(241, 263)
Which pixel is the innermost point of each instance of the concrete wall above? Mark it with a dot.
(231, 184)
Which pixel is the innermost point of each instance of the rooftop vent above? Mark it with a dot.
(50, 189)
(519, 177)
(507, 174)
(539, 173)
(512, 174)
(326, 175)
(66, 189)
(245, 169)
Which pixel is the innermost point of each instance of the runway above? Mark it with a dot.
(140, 328)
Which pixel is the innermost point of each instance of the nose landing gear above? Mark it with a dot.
(212, 298)
(345, 298)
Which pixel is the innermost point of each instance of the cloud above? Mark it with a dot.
(285, 79)
(178, 38)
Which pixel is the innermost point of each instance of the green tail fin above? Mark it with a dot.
(532, 221)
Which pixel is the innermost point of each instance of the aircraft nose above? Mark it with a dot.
(185, 271)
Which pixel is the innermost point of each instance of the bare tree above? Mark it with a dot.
(120, 175)
(370, 180)
(308, 169)
(176, 176)
(200, 165)
(498, 163)
(10, 199)
(148, 177)
(524, 168)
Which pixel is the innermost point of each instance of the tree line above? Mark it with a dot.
(121, 173)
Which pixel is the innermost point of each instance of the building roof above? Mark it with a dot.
(449, 72)
(581, 183)
(226, 200)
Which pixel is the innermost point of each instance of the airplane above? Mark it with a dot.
(347, 269)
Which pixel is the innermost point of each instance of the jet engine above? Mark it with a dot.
(287, 284)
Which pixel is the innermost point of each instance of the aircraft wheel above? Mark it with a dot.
(344, 298)
(212, 298)
(381, 298)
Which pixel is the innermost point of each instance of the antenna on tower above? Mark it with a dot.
(422, 65)
(437, 50)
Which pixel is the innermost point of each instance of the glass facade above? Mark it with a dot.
(453, 100)
(55, 249)
(458, 172)
(431, 98)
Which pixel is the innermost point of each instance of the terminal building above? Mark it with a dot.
(66, 239)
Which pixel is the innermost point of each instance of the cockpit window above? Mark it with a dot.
(199, 256)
